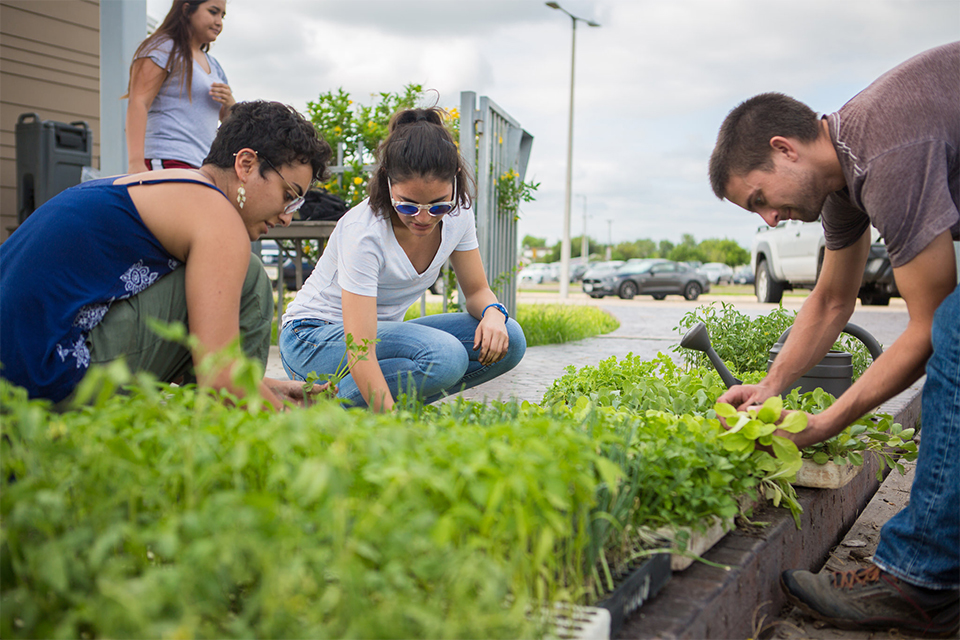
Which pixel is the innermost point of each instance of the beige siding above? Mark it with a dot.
(49, 65)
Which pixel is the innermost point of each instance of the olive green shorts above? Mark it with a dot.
(124, 333)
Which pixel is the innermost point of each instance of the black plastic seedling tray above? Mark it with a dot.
(638, 584)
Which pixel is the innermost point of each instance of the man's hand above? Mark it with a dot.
(742, 396)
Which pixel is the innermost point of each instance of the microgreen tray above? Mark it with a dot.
(698, 542)
(638, 584)
(580, 623)
(825, 476)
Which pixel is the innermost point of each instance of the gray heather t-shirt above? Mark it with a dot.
(178, 127)
(898, 142)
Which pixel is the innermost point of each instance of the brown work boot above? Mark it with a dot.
(869, 599)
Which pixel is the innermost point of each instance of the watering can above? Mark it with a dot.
(834, 374)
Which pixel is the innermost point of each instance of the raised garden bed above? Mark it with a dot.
(708, 602)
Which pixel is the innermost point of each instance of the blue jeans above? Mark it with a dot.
(432, 356)
(921, 544)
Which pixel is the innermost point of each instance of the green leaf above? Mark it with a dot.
(725, 411)
(771, 409)
(610, 472)
(795, 422)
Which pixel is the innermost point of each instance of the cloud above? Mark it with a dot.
(653, 82)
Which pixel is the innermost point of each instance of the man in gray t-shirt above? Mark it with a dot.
(889, 158)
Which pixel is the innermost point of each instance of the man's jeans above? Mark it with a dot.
(431, 356)
(921, 544)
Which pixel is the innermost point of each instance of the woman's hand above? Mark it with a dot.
(293, 391)
(491, 337)
(222, 93)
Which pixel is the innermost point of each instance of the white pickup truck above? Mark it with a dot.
(790, 255)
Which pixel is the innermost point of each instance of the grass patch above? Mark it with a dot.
(549, 323)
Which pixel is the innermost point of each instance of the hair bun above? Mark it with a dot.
(431, 115)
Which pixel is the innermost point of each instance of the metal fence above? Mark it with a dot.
(501, 145)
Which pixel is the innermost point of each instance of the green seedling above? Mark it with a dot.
(757, 427)
(353, 354)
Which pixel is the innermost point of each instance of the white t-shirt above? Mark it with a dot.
(364, 258)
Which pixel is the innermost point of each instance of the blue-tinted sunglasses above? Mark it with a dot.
(435, 209)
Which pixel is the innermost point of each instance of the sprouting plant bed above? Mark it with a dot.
(180, 512)
(873, 434)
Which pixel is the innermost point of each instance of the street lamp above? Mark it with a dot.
(565, 242)
(609, 239)
(584, 243)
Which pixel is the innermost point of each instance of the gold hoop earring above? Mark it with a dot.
(241, 196)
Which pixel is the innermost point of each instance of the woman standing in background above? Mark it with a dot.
(178, 92)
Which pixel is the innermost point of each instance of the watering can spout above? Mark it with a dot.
(698, 339)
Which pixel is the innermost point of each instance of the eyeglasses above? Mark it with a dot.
(293, 206)
(435, 209)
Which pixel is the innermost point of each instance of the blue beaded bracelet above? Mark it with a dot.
(499, 307)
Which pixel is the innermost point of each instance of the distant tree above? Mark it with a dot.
(685, 253)
(726, 251)
(646, 248)
(624, 251)
(531, 242)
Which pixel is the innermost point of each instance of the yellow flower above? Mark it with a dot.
(337, 130)
(358, 180)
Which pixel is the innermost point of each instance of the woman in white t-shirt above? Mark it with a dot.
(382, 256)
(178, 92)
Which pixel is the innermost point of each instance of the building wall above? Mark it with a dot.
(49, 65)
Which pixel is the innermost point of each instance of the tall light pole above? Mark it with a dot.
(584, 243)
(565, 242)
(609, 239)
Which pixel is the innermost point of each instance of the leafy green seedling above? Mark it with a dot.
(754, 427)
(354, 353)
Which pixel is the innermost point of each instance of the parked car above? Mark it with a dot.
(290, 273)
(656, 277)
(577, 270)
(599, 269)
(535, 273)
(717, 272)
(269, 251)
(743, 275)
(790, 256)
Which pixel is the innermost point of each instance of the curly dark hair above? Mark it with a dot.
(277, 132)
(743, 144)
(418, 145)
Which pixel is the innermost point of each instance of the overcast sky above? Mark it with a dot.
(653, 82)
